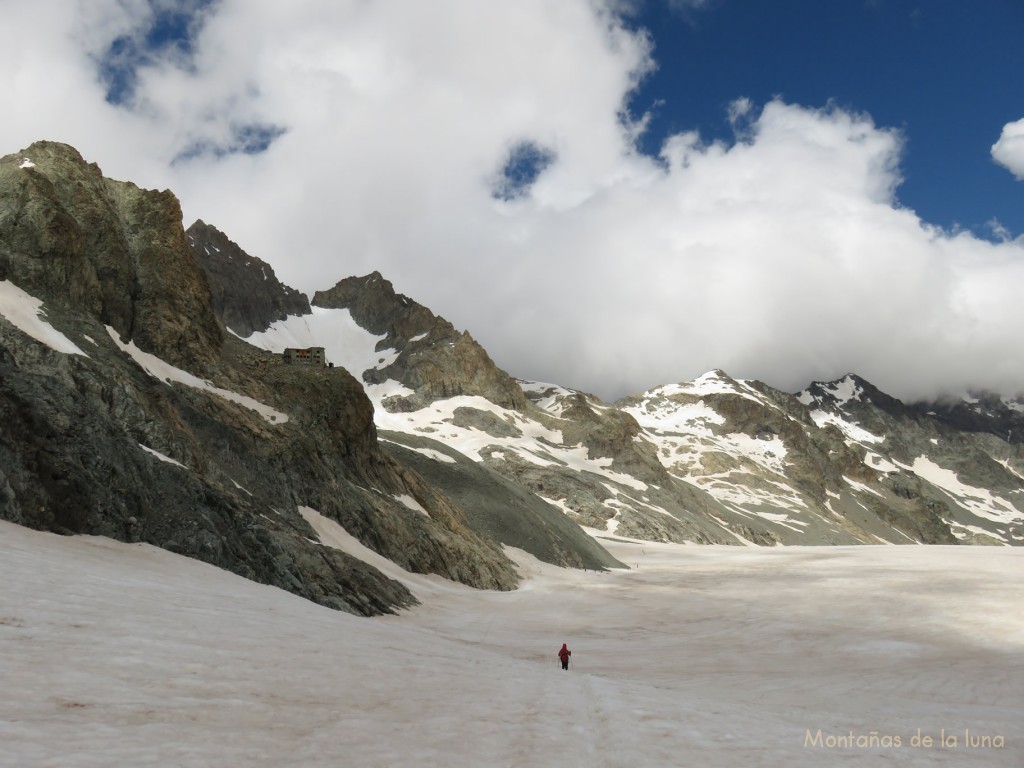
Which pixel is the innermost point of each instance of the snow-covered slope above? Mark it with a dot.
(125, 655)
(969, 472)
(25, 312)
(713, 460)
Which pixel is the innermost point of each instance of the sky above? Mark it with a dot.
(607, 194)
(124, 654)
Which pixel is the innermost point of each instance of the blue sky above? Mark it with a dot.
(939, 71)
(946, 73)
(799, 189)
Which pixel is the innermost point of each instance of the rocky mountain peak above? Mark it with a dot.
(377, 307)
(850, 392)
(984, 412)
(434, 359)
(246, 294)
(53, 158)
(76, 239)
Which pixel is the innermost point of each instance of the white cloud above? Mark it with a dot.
(782, 256)
(999, 231)
(1009, 150)
(739, 109)
(686, 7)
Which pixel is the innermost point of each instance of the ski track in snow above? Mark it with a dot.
(124, 655)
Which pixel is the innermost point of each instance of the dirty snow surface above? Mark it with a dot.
(124, 655)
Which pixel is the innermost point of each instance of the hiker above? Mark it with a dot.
(564, 655)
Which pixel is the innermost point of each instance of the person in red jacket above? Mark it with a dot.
(564, 655)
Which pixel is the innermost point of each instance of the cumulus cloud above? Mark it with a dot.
(1009, 150)
(479, 156)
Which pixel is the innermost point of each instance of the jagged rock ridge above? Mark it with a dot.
(107, 248)
(433, 358)
(715, 460)
(246, 295)
(164, 429)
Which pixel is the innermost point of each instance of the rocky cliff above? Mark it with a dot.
(246, 294)
(129, 413)
(432, 358)
(106, 249)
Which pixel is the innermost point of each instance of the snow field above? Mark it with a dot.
(159, 369)
(116, 654)
(25, 312)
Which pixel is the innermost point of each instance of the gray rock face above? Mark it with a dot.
(435, 360)
(86, 449)
(980, 412)
(498, 508)
(246, 294)
(952, 471)
(117, 252)
(170, 432)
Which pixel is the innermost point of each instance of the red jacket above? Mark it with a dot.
(565, 653)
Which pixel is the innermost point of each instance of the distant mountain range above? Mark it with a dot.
(145, 396)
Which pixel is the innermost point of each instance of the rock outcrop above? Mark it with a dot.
(246, 294)
(152, 424)
(978, 412)
(434, 359)
(108, 248)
